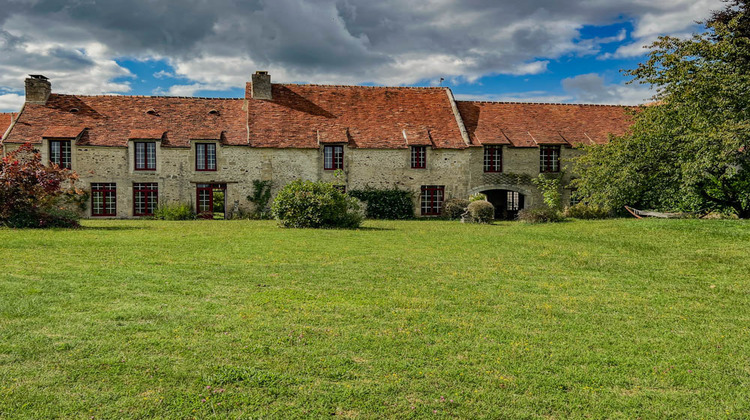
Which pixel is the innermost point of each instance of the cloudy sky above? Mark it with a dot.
(532, 50)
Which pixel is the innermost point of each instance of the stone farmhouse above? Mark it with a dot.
(134, 152)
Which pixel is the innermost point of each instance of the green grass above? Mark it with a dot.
(239, 319)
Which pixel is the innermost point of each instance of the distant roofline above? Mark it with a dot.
(545, 103)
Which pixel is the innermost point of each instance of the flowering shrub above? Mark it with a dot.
(32, 195)
(307, 204)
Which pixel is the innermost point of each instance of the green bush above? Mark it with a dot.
(307, 204)
(542, 214)
(587, 211)
(392, 204)
(455, 208)
(175, 211)
(481, 211)
(477, 197)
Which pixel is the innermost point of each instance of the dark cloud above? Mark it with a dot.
(218, 43)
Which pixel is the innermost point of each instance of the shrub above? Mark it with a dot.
(392, 204)
(260, 197)
(477, 197)
(32, 194)
(455, 208)
(307, 204)
(540, 215)
(481, 211)
(587, 211)
(175, 211)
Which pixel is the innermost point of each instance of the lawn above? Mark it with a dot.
(241, 319)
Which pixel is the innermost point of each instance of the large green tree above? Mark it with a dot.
(689, 150)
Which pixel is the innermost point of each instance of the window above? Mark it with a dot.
(493, 158)
(432, 200)
(104, 199)
(333, 157)
(205, 156)
(145, 198)
(145, 156)
(549, 159)
(418, 157)
(514, 201)
(59, 153)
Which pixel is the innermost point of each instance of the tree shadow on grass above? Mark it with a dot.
(371, 228)
(112, 228)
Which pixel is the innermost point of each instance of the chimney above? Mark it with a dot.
(38, 89)
(261, 85)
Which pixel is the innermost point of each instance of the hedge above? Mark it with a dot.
(391, 204)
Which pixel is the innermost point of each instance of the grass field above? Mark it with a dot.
(607, 319)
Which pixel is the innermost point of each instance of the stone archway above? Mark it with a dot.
(507, 199)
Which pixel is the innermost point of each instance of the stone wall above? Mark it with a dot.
(460, 171)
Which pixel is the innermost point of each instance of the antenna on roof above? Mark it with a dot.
(442, 79)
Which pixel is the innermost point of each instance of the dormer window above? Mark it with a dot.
(145, 156)
(333, 157)
(152, 112)
(213, 112)
(205, 156)
(493, 158)
(418, 157)
(549, 159)
(73, 110)
(59, 153)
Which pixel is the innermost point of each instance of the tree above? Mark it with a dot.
(32, 194)
(691, 150)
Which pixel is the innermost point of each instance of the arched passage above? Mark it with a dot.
(507, 199)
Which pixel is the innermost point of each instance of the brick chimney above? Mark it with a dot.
(261, 85)
(38, 89)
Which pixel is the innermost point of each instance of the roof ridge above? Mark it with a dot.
(361, 86)
(544, 103)
(110, 95)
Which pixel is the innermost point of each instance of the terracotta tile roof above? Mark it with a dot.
(62, 131)
(111, 120)
(300, 116)
(530, 125)
(5, 119)
(147, 134)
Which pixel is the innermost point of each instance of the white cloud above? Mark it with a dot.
(592, 88)
(163, 74)
(11, 102)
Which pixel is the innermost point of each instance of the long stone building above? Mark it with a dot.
(134, 152)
